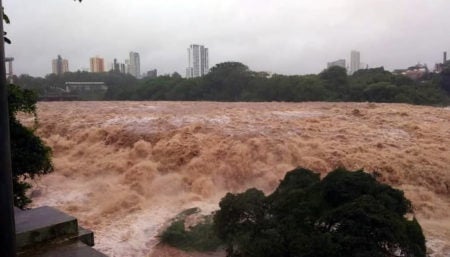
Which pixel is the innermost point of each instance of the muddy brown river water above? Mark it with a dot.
(125, 168)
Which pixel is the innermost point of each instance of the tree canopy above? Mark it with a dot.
(234, 81)
(344, 214)
(29, 155)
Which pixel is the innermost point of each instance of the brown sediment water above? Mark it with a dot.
(125, 168)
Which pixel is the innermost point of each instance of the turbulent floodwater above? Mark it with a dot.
(125, 168)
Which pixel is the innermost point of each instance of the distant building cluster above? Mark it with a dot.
(416, 72)
(130, 66)
(119, 67)
(420, 71)
(198, 64)
(198, 61)
(355, 63)
(97, 64)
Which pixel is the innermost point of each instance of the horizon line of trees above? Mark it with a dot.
(234, 81)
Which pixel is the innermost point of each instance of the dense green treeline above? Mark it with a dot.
(233, 81)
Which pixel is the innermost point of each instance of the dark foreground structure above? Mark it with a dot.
(7, 235)
(46, 232)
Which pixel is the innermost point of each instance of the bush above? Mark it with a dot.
(201, 237)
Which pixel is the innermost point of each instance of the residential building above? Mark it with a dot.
(198, 61)
(417, 72)
(97, 64)
(439, 67)
(152, 73)
(60, 65)
(355, 60)
(85, 86)
(339, 63)
(134, 67)
(118, 66)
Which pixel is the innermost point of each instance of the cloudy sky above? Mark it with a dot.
(281, 36)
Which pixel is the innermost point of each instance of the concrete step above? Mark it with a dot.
(76, 249)
(43, 224)
(86, 236)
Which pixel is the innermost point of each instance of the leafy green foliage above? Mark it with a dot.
(200, 237)
(234, 81)
(6, 21)
(30, 156)
(345, 214)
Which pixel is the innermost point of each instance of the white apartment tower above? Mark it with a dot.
(134, 66)
(355, 60)
(198, 61)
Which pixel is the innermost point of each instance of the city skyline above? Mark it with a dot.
(198, 59)
(289, 37)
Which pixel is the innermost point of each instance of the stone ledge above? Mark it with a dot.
(42, 224)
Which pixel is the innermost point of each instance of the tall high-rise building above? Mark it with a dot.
(134, 66)
(355, 60)
(198, 61)
(119, 67)
(97, 64)
(60, 65)
(116, 66)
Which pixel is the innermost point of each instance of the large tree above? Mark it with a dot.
(30, 156)
(226, 81)
(345, 214)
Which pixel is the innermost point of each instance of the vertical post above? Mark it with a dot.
(10, 70)
(7, 224)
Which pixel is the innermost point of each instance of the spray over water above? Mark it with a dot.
(125, 168)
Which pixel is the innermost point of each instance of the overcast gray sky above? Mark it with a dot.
(284, 36)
